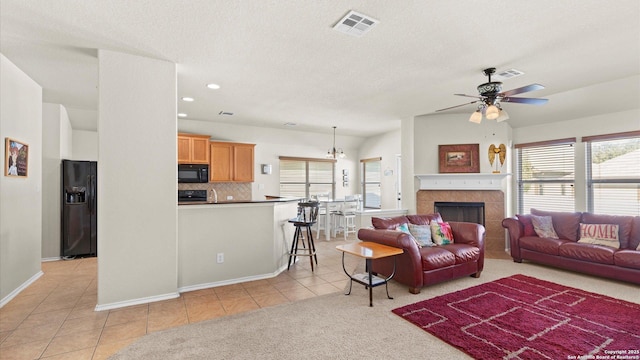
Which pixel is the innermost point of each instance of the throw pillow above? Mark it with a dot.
(405, 229)
(525, 220)
(422, 234)
(600, 234)
(441, 233)
(543, 226)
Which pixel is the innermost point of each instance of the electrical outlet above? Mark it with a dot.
(229, 197)
(220, 258)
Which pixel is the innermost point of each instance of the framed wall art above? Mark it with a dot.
(16, 161)
(460, 158)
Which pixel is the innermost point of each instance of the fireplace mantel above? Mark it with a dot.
(466, 181)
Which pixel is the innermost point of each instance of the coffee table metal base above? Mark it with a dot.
(369, 251)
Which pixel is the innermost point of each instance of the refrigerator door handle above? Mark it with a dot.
(90, 194)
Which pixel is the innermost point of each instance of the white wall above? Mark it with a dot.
(594, 125)
(56, 145)
(387, 146)
(85, 145)
(21, 205)
(272, 143)
(137, 189)
(433, 130)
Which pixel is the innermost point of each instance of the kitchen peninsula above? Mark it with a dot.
(230, 242)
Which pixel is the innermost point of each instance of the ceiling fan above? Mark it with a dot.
(491, 97)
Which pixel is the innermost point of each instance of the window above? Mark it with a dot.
(613, 173)
(304, 177)
(371, 175)
(545, 175)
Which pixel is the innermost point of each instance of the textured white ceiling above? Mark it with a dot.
(280, 61)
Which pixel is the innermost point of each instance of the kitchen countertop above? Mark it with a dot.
(278, 200)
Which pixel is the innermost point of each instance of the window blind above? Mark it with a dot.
(372, 175)
(613, 174)
(304, 177)
(545, 176)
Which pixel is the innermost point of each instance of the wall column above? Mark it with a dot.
(137, 212)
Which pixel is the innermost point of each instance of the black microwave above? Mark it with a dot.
(193, 173)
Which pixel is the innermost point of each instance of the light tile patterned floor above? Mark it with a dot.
(54, 318)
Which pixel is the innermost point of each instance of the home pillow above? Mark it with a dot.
(405, 229)
(525, 220)
(441, 233)
(543, 226)
(422, 234)
(600, 234)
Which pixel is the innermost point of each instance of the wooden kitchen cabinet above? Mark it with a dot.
(193, 149)
(231, 162)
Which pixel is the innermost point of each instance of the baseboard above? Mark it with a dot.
(17, 291)
(232, 281)
(57, 258)
(146, 300)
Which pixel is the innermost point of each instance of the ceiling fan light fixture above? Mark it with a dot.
(476, 117)
(492, 112)
(502, 116)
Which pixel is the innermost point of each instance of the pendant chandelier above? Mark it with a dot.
(333, 153)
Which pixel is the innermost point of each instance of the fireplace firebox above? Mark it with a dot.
(461, 211)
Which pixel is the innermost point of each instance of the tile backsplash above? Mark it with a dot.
(239, 191)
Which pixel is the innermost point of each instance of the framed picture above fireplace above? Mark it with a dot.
(459, 158)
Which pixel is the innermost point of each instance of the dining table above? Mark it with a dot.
(327, 206)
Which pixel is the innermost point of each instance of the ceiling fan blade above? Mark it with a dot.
(453, 107)
(473, 96)
(530, 101)
(520, 90)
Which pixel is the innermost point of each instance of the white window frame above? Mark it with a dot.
(523, 181)
(365, 184)
(307, 183)
(626, 180)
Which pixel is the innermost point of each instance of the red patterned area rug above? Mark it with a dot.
(520, 317)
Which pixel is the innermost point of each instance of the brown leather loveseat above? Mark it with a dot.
(565, 251)
(421, 266)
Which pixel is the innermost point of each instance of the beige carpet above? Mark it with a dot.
(336, 326)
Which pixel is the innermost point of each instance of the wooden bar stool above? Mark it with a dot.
(307, 217)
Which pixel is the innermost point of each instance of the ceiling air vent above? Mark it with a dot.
(355, 24)
(507, 74)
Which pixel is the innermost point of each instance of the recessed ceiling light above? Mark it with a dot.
(188, 99)
(213, 86)
(182, 115)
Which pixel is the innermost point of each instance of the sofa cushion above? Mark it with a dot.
(600, 234)
(525, 220)
(436, 257)
(566, 224)
(388, 223)
(543, 226)
(587, 252)
(463, 252)
(634, 237)
(425, 219)
(422, 234)
(441, 233)
(627, 258)
(624, 224)
(542, 245)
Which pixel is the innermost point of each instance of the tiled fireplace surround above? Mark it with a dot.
(486, 188)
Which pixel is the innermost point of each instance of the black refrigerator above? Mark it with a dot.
(79, 209)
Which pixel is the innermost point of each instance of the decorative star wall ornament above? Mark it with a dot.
(501, 152)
